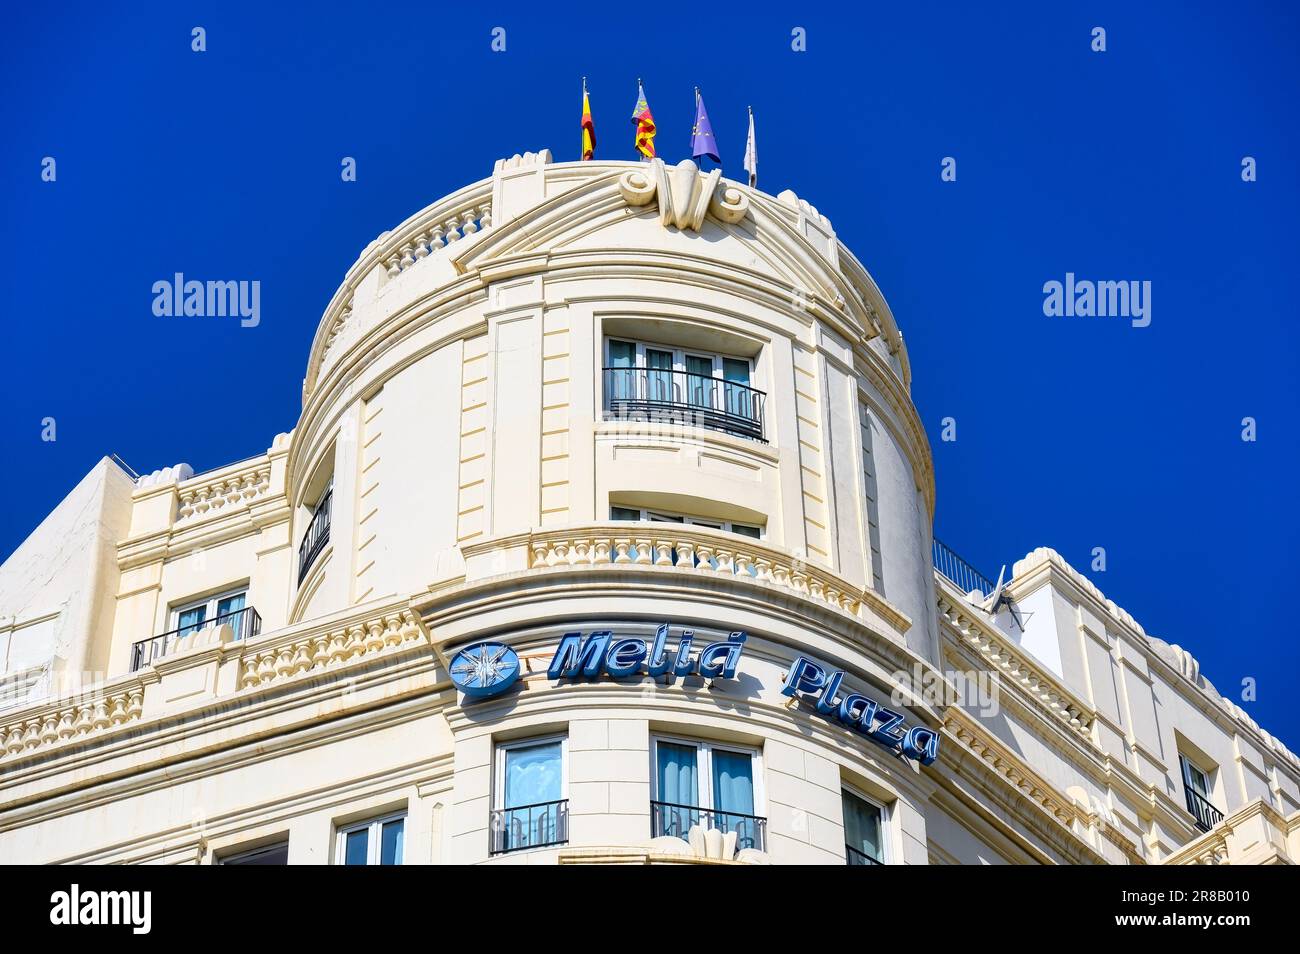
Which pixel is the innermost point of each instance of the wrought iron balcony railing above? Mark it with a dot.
(1206, 815)
(964, 576)
(853, 856)
(679, 397)
(528, 826)
(244, 623)
(667, 818)
(317, 535)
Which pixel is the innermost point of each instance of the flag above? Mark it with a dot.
(645, 125)
(588, 125)
(702, 141)
(751, 153)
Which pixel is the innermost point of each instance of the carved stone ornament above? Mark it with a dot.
(685, 194)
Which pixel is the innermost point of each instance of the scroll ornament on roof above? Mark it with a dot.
(685, 195)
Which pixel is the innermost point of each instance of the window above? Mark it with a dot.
(375, 842)
(318, 531)
(712, 786)
(1197, 784)
(531, 804)
(863, 830)
(660, 516)
(225, 608)
(682, 386)
(872, 491)
(277, 854)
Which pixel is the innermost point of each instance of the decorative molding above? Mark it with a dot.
(1015, 664)
(1174, 657)
(63, 720)
(223, 491)
(702, 550)
(966, 731)
(262, 664)
(685, 195)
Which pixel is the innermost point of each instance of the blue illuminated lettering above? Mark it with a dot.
(600, 654)
(859, 712)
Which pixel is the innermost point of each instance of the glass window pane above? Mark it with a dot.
(737, 400)
(231, 604)
(677, 787)
(622, 380)
(624, 513)
(622, 354)
(192, 619)
(659, 379)
(390, 842)
(862, 826)
(228, 606)
(745, 530)
(533, 774)
(356, 847)
(677, 774)
(733, 782)
(664, 518)
(699, 381)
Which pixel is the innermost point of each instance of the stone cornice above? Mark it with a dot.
(100, 713)
(1044, 564)
(693, 550)
(1281, 836)
(973, 786)
(1078, 747)
(968, 732)
(1014, 663)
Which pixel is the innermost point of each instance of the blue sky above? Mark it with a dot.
(1071, 433)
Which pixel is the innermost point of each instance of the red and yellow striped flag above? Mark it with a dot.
(645, 125)
(588, 126)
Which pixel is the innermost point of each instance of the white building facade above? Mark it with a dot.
(667, 417)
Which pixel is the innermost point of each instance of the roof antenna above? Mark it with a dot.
(999, 598)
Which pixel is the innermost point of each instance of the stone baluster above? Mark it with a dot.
(407, 258)
(393, 265)
(452, 234)
(467, 223)
(685, 553)
(422, 246)
(436, 241)
(485, 216)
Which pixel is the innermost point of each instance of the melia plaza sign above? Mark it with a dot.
(488, 669)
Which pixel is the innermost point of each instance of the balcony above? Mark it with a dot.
(853, 857)
(317, 535)
(1206, 815)
(528, 826)
(684, 399)
(244, 624)
(667, 818)
(964, 576)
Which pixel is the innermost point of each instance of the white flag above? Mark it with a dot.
(751, 154)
